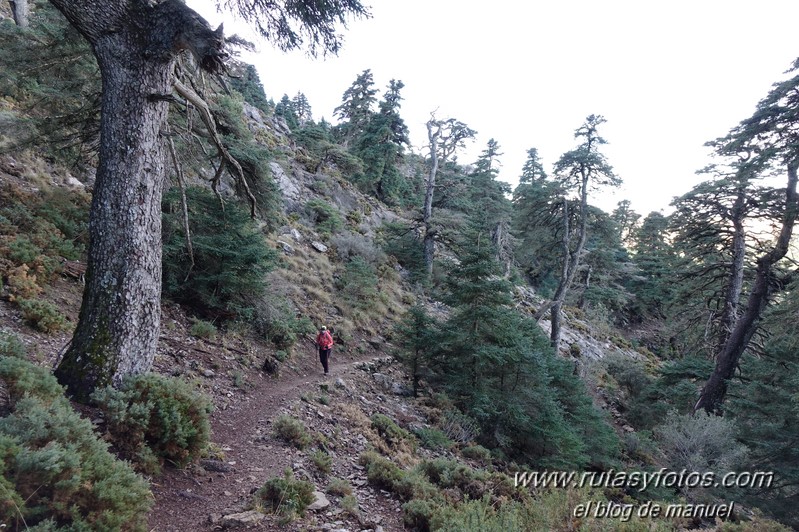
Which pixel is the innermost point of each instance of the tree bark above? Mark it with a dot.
(21, 11)
(571, 261)
(714, 391)
(732, 295)
(135, 44)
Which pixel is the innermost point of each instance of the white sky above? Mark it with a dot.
(667, 76)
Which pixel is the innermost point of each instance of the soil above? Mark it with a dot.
(197, 498)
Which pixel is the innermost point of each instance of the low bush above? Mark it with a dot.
(151, 418)
(322, 461)
(349, 503)
(433, 438)
(292, 431)
(54, 472)
(380, 471)
(11, 346)
(42, 314)
(202, 329)
(324, 216)
(350, 245)
(25, 379)
(285, 495)
(339, 486)
(390, 431)
(477, 452)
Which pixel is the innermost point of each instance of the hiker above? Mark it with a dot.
(324, 340)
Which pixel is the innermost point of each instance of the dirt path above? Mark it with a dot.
(184, 499)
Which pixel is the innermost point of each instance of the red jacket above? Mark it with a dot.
(324, 339)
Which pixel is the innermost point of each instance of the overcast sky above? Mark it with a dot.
(667, 76)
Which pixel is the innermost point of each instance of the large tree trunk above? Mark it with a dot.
(712, 395)
(119, 321)
(21, 11)
(135, 44)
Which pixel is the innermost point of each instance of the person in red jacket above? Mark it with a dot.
(324, 340)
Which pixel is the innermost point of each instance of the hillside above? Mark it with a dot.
(480, 332)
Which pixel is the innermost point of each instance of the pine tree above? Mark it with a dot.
(499, 368)
(381, 147)
(416, 335)
(356, 106)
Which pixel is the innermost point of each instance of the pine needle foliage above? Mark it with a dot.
(231, 256)
(55, 474)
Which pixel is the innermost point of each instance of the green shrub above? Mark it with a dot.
(477, 452)
(390, 431)
(700, 442)
(324, 216)
(231, 256)
(418, 514)
(453, 474)
(202, 329)
(380, 471)
(54, 471)
(285, 495)
(11, 345)
(414, 485)
(357, 284)
(25, 379)
(275, 319)
(292, 431)
(350, 505)
(152, 418)
(322, 461)
(42, 314)
(339, 486)
(432, 438)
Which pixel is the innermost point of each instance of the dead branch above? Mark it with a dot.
(228, 161)
(183, 203)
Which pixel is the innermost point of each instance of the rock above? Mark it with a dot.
(376, 341)
(271, 365)
(209, 373)
(289, 189)
(241, 519)
(320, 502)
(74, 183)
(292, 232)
(340, 383)
(252, 113)
(216, 465)
(287, 249)
(318, 246)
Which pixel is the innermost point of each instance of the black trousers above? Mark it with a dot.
(324, 354)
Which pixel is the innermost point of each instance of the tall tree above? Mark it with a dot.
(577, 170)
(136, 44)
(766, 142)
(535, 224)
(381, 146)
(444, 137)
(626, 220)
(356, 107)
(490, 208)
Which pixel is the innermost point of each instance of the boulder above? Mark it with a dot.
(242, 519)
(320, 502)
(318, 246)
